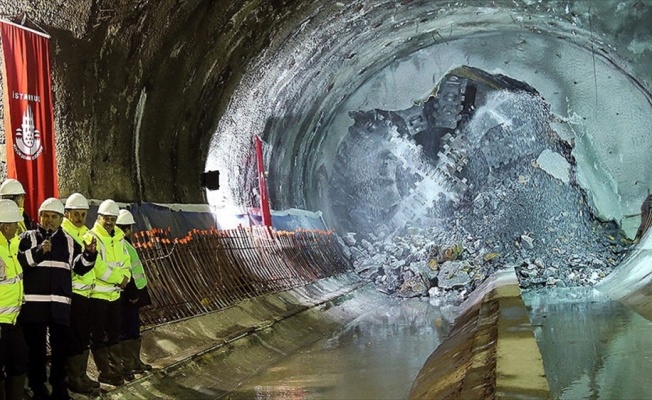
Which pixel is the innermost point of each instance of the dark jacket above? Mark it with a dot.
(47, 276)
(29, 223)
(134, 297)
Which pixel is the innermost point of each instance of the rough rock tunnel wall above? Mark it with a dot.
(149, 93)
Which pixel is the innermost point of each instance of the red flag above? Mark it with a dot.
(29, 117)
(262, 184)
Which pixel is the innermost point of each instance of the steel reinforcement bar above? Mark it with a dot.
(209, 270)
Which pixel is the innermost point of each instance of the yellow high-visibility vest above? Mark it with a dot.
(112, 264)
(137, 270)
(11, 281)
(21, 224)
(81, 284)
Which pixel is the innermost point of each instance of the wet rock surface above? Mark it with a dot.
(437, 262)
(494, 205)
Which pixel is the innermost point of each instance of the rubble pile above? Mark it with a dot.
(437, 262)
(481, 181)
(515, 214)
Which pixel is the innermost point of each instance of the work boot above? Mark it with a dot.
(117, 355)
(40, 391)
(126, 356)
(139, 366)
(84, 368)
(14, 387)
(76, 370)
(107, 375)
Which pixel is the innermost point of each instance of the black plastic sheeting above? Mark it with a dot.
(148, 216)
(179, 222)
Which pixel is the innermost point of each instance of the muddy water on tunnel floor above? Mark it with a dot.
(592, 347)
(377, 356)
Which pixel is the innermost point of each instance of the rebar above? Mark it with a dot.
(209, 270)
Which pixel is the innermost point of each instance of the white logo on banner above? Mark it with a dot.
(27, 143)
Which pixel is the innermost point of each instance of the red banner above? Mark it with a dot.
(29, 117)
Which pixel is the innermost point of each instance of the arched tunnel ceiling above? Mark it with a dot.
(158, 83)
(587, 60)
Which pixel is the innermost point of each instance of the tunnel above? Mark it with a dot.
(542, 166)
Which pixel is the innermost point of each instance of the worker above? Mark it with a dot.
(134, 297)
(48, 256)
(112, 273)
(11, 189)
(79, 334)
(13, 349)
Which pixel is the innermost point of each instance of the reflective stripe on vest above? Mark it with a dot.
(106, 289)
(47, 298)
(137, 276)
(12, 280)
(111, 264)
(54, 264)
(82, 286)
(114, 263)
(9, 310)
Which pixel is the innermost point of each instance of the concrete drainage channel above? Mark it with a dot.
(210, 355)
(560, 343)
(491, 351)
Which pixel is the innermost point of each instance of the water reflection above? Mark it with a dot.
(376, 356)
(592, 347)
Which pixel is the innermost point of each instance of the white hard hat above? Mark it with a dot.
(11, 187)
(109, 207)
(125, 218)
(9, 212)
(76, 201)
(51, 204)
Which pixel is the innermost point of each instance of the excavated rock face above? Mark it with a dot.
(149, 93)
